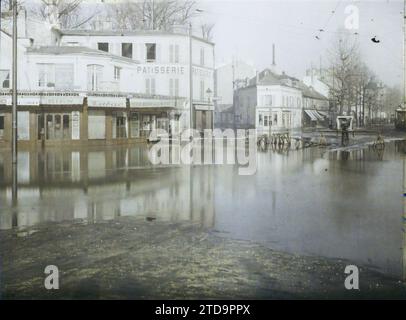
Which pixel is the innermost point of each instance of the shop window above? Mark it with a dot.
(134, 125)
(260, 120)
(1, 127)
(65, 128)
(275, 119)
(41, 127)
(265, 121)
(127, 50)
(4, 79)
(103, 46)
(119, 125)
(58, 127)
(151, 52)
(162, 123)
(49, 127)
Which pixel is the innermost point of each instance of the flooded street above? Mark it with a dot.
(311, 202)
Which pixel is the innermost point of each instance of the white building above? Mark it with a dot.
(271, 103)
(101, 85)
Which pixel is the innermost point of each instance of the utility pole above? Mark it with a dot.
(404, 161)
(0, 27)
(14, 90)
(14, 189)
(191, 76)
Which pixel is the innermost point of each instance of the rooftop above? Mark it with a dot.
(66, 50)
(267, 77)
(121, 33)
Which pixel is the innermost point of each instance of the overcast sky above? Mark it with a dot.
(246, 29)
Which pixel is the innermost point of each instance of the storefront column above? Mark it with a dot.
(109, 125)
(33, 127)
(84, 122)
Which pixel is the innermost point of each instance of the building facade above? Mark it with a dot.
(270, 103)
(316, 111)
(102, 86)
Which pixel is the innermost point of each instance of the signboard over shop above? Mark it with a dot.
(42, 100)
(21, 101)
(62, 100)
(153, 103)
(106, 102)
(204, 107)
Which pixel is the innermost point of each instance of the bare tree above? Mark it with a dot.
(151, 14)
(344, 72)
(207, 30)
(63, 14)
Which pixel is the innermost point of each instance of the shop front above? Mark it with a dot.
(203, 116)
(107, 118)
(150, 114)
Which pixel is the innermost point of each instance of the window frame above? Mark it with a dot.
(99, 44)
(130, 45)
(148, 47)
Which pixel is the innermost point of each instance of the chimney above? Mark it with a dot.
(273, 54)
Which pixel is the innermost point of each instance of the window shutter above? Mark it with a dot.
(147, 86)
(152, 86)
(171, 53)
(171, 92)
(177, 53)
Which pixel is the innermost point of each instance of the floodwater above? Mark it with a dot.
(338, 204)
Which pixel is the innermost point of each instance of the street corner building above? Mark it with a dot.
(103, 86)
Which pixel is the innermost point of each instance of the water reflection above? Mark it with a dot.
(342, 204)
(95, 185)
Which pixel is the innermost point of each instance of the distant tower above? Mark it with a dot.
(273, 66)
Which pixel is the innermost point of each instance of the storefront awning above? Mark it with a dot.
(323, 113)
(312, 115)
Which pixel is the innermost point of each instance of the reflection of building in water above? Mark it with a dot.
(101, 185)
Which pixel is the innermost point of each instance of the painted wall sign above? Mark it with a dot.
(160, 69)
(107, 102)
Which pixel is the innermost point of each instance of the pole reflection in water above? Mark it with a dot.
(14, 196)
(340, 204)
